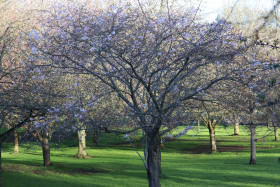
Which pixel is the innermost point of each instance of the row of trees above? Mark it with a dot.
(126, 67)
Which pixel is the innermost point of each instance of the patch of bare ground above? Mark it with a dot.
(221, 148)
(232, 148)
(58, 164)
(7, 167)
(39, 172)
(203, 140)
(84, 171)
(82, 156)
(23, 168)
(36, 170)
(198, 149)
(265, 147)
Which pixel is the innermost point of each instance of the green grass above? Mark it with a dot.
(115, 163)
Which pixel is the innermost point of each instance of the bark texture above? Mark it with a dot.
(236, 128)
(212, 140)
(253, 146)
(95, 138)
(276, 133)
(44, 138)
(16, 141)
(46, 152)
(154, 158)
(82, 144)
(211, 123)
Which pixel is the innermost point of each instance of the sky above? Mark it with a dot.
(212, 8)
(209, 9)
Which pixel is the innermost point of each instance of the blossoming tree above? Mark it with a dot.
(155, 61)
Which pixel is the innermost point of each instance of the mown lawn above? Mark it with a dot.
(185, 162)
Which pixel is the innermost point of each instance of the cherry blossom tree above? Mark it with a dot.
(21, 99)
(24, 96)
(156, 62)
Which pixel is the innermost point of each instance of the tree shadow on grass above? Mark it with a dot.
(218, 178)
(200, 146)
(205, 149)
(23, 180)
(219, 171)
(72, 167)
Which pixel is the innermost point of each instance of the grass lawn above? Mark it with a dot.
(185, 162)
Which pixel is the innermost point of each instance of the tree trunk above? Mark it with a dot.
(275, 132)
(46, 151)
(236, 128)
(154, 158)
(161, 143)
(82, 144)
(95, 138)
(253, 145)
(198, 125)
(212, 140)
(159, 163)
(16, 141)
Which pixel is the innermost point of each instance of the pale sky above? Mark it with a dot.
(211, 8)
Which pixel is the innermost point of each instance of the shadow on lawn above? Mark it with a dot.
(202, 146)
(204, 149)
(221, 148)
(69, 167)
(23, 180)
(214, 172)
(54, 169)
(220, 178)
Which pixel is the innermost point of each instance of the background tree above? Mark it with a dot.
(20, 99)
(211, 117)
(249, 100)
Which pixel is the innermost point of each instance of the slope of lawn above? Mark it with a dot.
(185, 162)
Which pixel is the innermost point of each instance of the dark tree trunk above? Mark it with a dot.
(269, 124)
(16, 141)
(161, 143)
(154, 158)
(212, 140)
(95, 137)
(236, 128)
(275, 132)
(159, 163)
(253, 145)
(46, 151)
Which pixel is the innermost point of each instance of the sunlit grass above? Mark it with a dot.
(115, 163)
